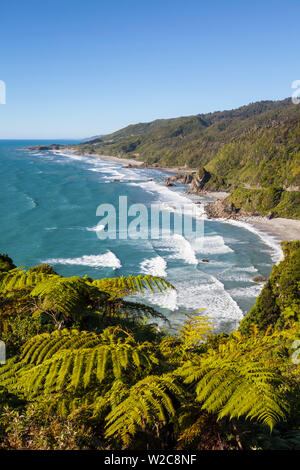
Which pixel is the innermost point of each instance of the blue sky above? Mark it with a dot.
(75, 69)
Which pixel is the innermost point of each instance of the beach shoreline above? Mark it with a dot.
(133, 162)
(280, 229)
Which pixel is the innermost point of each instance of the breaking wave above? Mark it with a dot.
(155, 266)
(178, 247)
(108, 259)
(211, 245)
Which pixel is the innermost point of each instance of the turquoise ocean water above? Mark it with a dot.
(48, 214)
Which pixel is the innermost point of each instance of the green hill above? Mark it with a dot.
(258, 144)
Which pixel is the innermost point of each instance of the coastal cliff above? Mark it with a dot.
(271, 202)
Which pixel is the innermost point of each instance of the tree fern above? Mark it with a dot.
(65, 296)
(194, 330)
(150, 402)
(234, 382)
(119, 287)
(72, 360)
(189, 335)
(18, 279)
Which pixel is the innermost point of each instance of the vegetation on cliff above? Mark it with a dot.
(258, 144)
(88, 368)
(273, 201)
(279, 301)
(255, 147)
(204, 180)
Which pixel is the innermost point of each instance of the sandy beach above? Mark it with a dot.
(110, 158)
(135, 162)
(282, 229)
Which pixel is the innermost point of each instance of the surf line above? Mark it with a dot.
(144, 225)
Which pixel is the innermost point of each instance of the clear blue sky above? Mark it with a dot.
(79, 68)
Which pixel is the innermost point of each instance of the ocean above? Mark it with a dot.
(48, 214)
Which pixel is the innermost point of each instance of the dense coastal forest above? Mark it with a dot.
(87, 368)
(251, 151)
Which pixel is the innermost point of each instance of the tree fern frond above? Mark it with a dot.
(128, 285)
(231, 382)
(19, 279)
(149, 401)
(80, 359)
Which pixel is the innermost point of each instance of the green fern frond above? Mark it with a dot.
(128, 285)
(150, 401)
(72, 360)
(19, 279)
(68, 296)
(235, 383)
(194, 330)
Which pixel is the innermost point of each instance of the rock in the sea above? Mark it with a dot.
(259, 279)
(169, 183)
(204, 260)
(184, 178)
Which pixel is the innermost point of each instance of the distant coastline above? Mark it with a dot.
(281, 229)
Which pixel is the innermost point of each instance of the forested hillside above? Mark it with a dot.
(279, 301)
(258, 144)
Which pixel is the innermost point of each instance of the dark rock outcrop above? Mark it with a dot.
(259, 279)
(221, 209)
(203, 180)
(46, 147)
(184, 178)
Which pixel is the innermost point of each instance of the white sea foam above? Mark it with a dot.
(108, 259)
(73, 156)
(32, 202)
(155, 266)
(164, 192)
(178, 247)
(239, 274)
(192, 294)
(241, 292)
(249, 269)
(167, 300)
(211, 245)
(210, 295)
(98, 228)
(110, 170)
(269, 240)
(234, 274)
